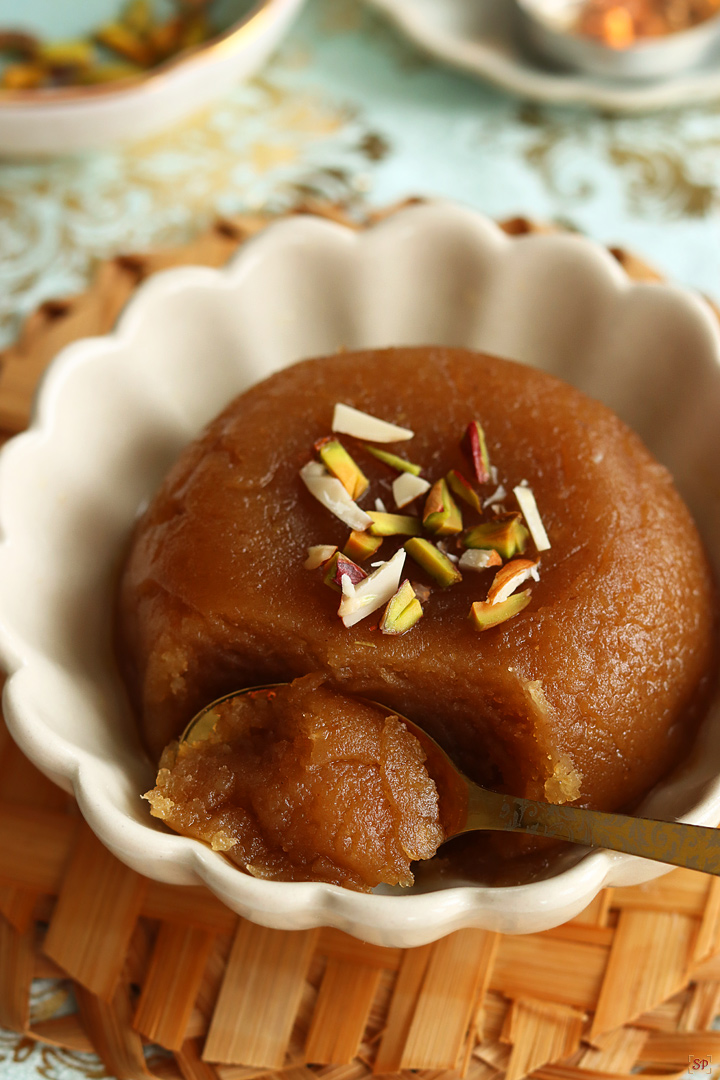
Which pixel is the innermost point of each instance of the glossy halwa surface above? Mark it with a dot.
(304, 784)
(590, 693)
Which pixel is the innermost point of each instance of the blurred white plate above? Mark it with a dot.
(480, 36)
(67, 119)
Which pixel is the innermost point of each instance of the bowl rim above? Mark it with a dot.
(416, 918)
(533, 10)
(227, 42)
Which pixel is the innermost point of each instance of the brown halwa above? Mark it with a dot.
(304, 784)
(589, 694)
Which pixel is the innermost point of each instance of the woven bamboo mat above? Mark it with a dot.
(631, 985)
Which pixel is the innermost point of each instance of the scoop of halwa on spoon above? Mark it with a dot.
(299, 782)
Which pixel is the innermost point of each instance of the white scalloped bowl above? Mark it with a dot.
(114, 412)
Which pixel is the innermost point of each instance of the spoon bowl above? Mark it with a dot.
(466, 807)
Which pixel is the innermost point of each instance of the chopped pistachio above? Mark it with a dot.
(463, 489)
(475, 449)
(483, 616)
(196, 29)
(442, 514)
(330, 572)
(361, 546)
(393, 460)
(338, 567)
(164, 38)
(22, 76)
(393, 524)
(18, 43)
(437, 565)
(65, 54)
(137, 16)
(512, 575)
(506, 534)
(104, 73)
(347, 568)
(403, 611)
(121, 40)
(338, 462)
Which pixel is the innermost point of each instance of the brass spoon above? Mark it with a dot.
(467, 807)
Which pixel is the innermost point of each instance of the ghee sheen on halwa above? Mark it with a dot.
(589, 694)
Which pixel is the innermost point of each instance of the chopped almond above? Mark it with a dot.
(361, 425)
(360, 601)
(510, 578)
(319, 554)
(408, 487)
(479, 559)
(526, 501)
(330, 492)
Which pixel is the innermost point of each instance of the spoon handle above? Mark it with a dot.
(693, 846)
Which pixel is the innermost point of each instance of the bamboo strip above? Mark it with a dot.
(526, 966)
(702, 1007)
(18, 906)
(343, 947)
(188, 906)
(541, 1032)
(459, 966)
(377, 1019)
(172, 984)
(494, 1015)
(355, 1071)
(682, 892)
(47, 834)
(23, 785)
(571, 1072)
(64, 1031)
(45, 968)
(614, 1051)
(479, 1070)
(109, 1026)
(341, 1012)
(665, 1016)
(582, 934)
(259, 997)
(191, 1064)
(137, 958)
(214, 974)
(675, 1047)
(496, 1054)
(16, 974)
(95, 916)
(402, 1008)
(708, 939)
(706, 971)
(648, 962)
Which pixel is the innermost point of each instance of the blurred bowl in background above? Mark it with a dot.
(66, 119)
(549, 27)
